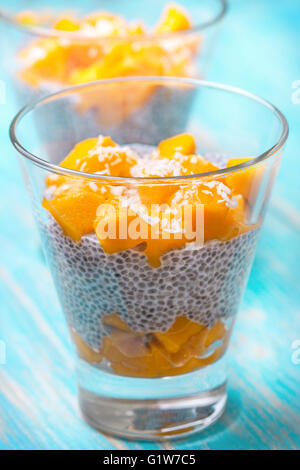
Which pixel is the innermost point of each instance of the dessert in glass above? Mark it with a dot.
(51, 47)
(150, 242)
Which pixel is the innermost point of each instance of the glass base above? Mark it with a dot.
(153, 419)
(152, 409)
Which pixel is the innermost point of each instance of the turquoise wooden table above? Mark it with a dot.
(258, 50)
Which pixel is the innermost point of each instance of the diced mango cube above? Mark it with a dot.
(131, 366)
(182, 143)
(161, 361)
(85, 351)
(114, 230)
(245, 182)
(156, 193)
(130, 344)
(115, 321)
(67, 24)
(174, 18)
(195, 164)
(181, 330)
(75, 211)
(73, 159)
(217, 332)
(51, 66)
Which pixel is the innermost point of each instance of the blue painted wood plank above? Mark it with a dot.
(38, 405)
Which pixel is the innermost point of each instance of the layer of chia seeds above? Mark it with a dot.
(204, 284)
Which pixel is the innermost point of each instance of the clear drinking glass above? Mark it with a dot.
(40, 59)
(151, 318)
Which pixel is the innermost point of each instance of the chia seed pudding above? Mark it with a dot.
(124, 312)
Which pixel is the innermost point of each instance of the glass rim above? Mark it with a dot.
(50, 32)
(188, 81)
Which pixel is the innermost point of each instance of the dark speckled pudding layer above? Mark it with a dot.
(204, 284)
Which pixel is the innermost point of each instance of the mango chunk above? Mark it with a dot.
(217, 332)
(174, 18)
(129, 344)
(85, 351)
(178, 334)
(182, 143)
(156, 193)
(222, 222)
(197, 343)
(56, 181)
(223, 213)
(124, 365)
(75, 212)
(115, 321)
(115, 232)
(180, 350)
(73, 159)
(195, 164)
(166, 234)
(122, 229)
(67, 24)
(245, 182)
(161, 361)
(100, 155)
(51, 66)
(110, 352)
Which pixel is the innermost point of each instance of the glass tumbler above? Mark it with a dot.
(150, 268)
(52, 47)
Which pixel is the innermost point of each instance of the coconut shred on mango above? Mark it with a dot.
(152, 215)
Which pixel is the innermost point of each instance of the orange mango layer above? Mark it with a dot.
(186, 346)
(154, 217)
(76, 60)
